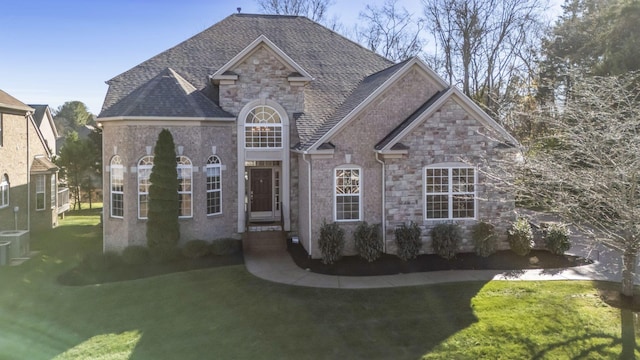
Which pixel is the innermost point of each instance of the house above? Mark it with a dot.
(43, 118)
(29, 195)
(277, 119)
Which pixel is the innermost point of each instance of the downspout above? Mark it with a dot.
(304, 158)
(28, 175)
(104, 185)
(384, 225)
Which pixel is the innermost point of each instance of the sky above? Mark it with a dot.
(55, 51)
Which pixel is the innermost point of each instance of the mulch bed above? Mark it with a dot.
(390, 264)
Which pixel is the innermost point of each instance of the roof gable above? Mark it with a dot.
(262, 40)
(433, 105)
(42, 112)
(365, 93)
(166, 95)
(9, 102)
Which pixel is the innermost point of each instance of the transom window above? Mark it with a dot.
(117, 187)
(185, 171)
(347, 194)
(4, 191)
(144, 173)
(263, 128)
(214, 185)
(450, 192)
(40, 181)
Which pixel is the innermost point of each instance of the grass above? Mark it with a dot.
(227, 313)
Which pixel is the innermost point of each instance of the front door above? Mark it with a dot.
(261, 193)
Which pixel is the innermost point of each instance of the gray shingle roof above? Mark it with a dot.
(38, 115)
(9, 102)
(169, 95)
(337, 64)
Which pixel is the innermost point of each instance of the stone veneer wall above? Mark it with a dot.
(131, 142)
(358, 139)
(450, 135)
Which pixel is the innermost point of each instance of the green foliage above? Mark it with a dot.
(331, 242)
(556, 238)
(135, 255)
(520, 237)
(71, 116)
(101, 261)
(163, 229)
(165, 254)
(368, 241)
(225, 246)
(484, 238)
(408, 241)
(75, 164)
(445, 239)
(195, 249)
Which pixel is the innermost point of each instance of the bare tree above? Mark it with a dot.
(390, 31)
(588, 168)
(482, 45)
(315, 10)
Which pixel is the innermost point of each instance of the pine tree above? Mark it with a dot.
(163, 230)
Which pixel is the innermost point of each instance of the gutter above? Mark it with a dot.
(304, 158)
(384, 225)
(26, 117)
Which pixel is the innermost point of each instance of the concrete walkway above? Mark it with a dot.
(277, 266)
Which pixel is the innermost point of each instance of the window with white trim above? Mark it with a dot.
(347, 191)
(4, 191)
(144, 174)
(450, 192)
(214, 185)
(53, 189)
(1, 129)
(263, 128)
(116, 181)
(40, 181)
(185, 175)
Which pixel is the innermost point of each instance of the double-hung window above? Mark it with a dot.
(4, 191)
(54, 190)
(185, 171)
(347, 194)
(40, 189)
(214, 185)
(117, 187)
(144, 174)
(450, 192)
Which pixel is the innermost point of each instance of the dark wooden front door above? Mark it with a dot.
(261, 190)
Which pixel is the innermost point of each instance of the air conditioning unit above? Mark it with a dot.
(19, 240)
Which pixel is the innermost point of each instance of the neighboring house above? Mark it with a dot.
(29, 198)
(44, 121)
(279, 119)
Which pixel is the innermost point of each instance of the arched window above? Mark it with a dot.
(214, 185)
(185, 170)
(4, 191)
(117, 187)
(144, 173)
(263, 128)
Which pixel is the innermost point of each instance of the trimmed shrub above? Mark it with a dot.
(225, 246)
(101, 261)
(445, 239)
(331, 242)
(556, 239)
(485, 239)
(368, 241)
(164, 254)
(135, 255)
(195, 249)
(520, 237)
(408, 241)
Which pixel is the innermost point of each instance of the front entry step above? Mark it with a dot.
(264, 241)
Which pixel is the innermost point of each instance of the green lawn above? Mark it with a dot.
(226, 313)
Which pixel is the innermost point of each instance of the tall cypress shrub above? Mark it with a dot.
(163, 230)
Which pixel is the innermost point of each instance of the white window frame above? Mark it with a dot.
(4, 191)
(214, 164)
(54, 191)
(184, 169)
(337, 194)
(145, 165)
(116, 173)
(40, 192)
(450, 192)
(263, 123)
